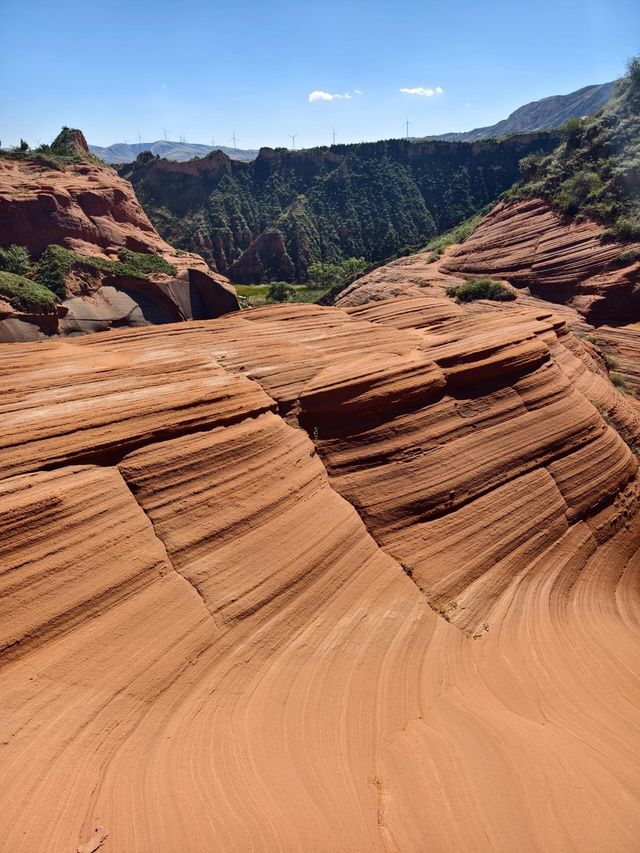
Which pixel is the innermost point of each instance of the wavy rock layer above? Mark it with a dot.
(91, 210)
(531, 245)
(623, 345)
(214, 641)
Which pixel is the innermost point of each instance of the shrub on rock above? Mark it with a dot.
(481, 288)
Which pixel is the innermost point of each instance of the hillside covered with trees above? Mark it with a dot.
(273, 218)
(595, 170)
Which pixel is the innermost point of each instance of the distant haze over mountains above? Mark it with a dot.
(545, 114)
(122, 152)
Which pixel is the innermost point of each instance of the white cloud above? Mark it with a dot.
(423, 91)
(317, 95)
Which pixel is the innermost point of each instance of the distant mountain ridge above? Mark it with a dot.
(123, 152)
(546, 114)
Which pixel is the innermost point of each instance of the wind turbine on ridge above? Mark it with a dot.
(292, 137)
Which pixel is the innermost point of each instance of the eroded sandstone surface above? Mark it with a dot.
(535, 249)
(567, 261)
(320, 579)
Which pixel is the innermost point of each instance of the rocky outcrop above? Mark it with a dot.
(90, 210)
(558, 259)
(266, 259)
(84, 206)
(621, 346)
(530, 246)
(397, 628)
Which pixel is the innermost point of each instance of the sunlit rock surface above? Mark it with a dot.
(320, 579)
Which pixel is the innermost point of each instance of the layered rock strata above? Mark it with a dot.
(562, 260)
(410, 624)
(535, 249)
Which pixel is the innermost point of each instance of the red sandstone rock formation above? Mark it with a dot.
(622, 345)
(89, 209)
(531, 245)
(413, 626)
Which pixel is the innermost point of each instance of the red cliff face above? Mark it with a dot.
(531, 245)
(89, 209)
(411, 627)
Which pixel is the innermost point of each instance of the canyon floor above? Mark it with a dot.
(361, 578)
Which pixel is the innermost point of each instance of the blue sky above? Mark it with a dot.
(204, 69)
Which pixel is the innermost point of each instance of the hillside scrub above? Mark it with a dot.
(595, 170)
(481, 288)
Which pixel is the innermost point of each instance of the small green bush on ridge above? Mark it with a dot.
(481, 288)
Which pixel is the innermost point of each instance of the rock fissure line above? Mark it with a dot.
(164, 548)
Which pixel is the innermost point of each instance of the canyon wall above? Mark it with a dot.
(272, 218)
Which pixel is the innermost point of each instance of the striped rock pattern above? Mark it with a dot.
(529, 245)
(316, 579)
